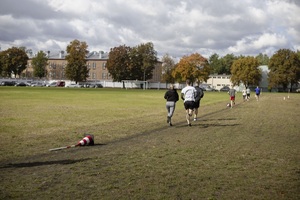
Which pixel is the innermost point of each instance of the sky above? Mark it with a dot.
(175, 27)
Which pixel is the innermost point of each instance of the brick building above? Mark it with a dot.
(96, 62)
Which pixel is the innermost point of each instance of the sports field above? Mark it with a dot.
(251, 151)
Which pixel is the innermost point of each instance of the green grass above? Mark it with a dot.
(248, 152)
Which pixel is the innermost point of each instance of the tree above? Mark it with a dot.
(76, 69)
(221, 65)
(144, 59)
(216, 64)
(119, 63)
(137, 63)
(39, 64)
(194, 67)
(13, 61)
(245, 70)
(2, 61)
(168, 66)
(263, 59)
(227, 62)
(284, 68)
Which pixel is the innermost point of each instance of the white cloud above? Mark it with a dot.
(175, 27)
(259, 43)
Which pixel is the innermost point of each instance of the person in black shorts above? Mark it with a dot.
(188, 94)
(198, 98)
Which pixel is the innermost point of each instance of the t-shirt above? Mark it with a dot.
(189, 93)
(231, 92)
(244, 92)
(257, 90)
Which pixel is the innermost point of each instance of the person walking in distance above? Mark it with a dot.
(257, 93)
(244, 92)
(188, 94)
(172, 97)
(248, 93)
(198, 98)
(231, 93)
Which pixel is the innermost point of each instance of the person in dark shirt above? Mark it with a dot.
(198, 98)
(257, 93)
(172, 97)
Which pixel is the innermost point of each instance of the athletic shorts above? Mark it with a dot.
(232, 98)
(196, 104)
(189, 105)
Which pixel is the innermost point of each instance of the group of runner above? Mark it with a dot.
(192, 95)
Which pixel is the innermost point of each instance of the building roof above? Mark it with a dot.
(94, 55)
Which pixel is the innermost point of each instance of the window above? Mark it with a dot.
(94, 65)
(104, 66)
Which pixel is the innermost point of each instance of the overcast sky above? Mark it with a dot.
(176, 27)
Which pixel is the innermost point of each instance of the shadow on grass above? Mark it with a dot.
(34, 164)
(183, 124)
(206, 125)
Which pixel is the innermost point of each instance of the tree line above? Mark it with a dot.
(284, 68)
(137, 63)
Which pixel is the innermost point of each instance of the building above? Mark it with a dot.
(216, 81)
(96, 62)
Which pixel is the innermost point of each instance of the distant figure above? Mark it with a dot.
(172, 97)
(257, 93)
(198, 98)
(244, 92)
(188, 94)
(231, 93)
(248, 93)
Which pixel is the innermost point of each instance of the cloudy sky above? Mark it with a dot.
(176, 27)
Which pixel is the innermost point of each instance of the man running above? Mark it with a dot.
(198, 98)
(188, 94)
(231, 93)
(257, 93)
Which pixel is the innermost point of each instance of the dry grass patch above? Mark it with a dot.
(248, 152)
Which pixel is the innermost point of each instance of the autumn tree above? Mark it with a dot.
(284, 68)
(13, 61)
(39, 64)
(119, 63)
(194, 67)
(245, 70)
(76, 68)
(263, 59)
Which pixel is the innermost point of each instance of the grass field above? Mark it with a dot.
(248, 152)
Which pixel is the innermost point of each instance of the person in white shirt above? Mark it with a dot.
(248, 93)
(244, 92)
(188, 94)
